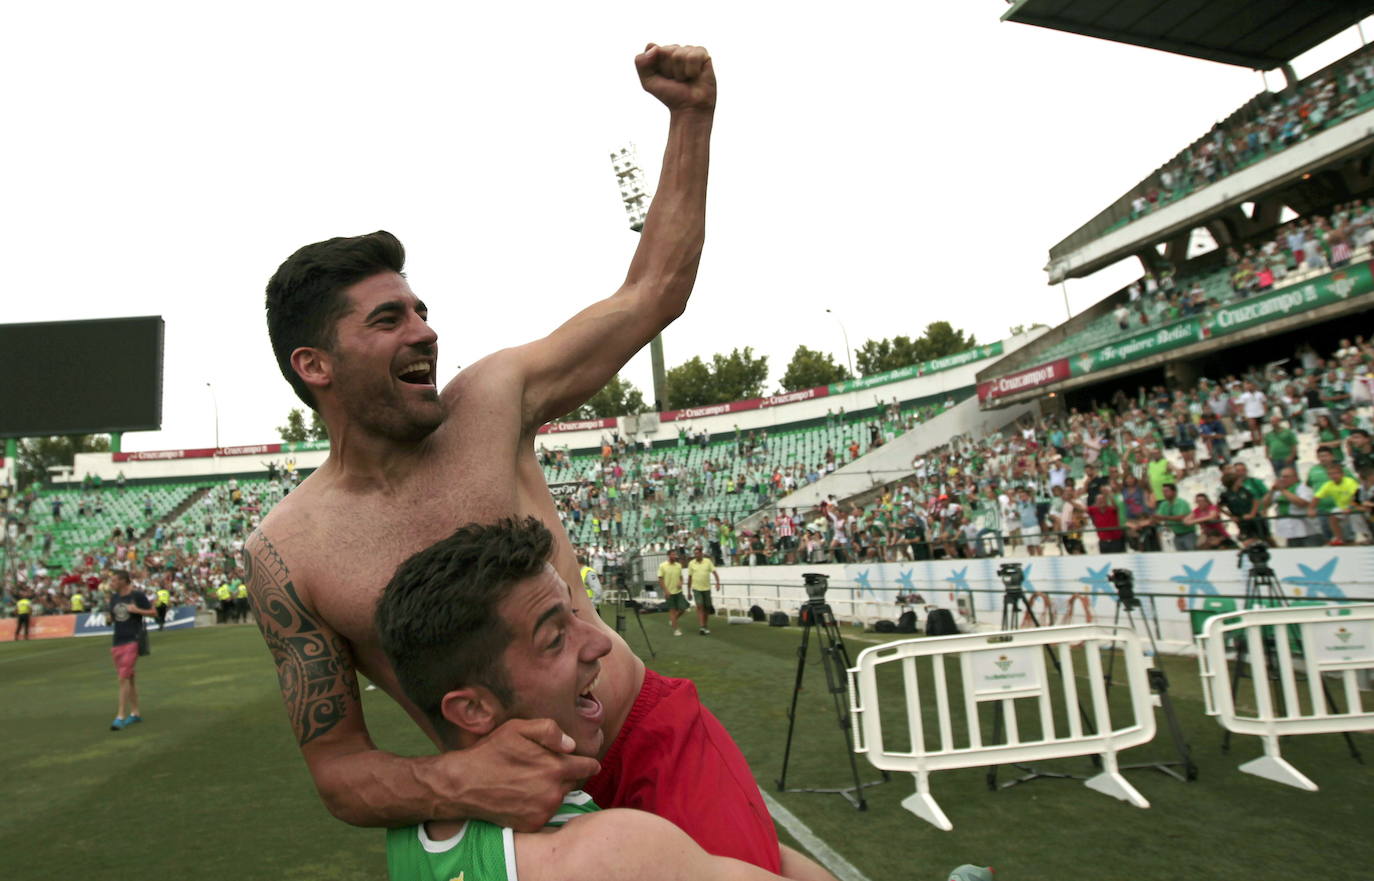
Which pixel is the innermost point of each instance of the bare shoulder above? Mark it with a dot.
(498, 380)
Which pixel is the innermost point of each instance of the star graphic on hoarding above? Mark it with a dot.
(861, 579)
(1318, 581)
(1098, 581)
(906, 577)
(958, 580)
(1198, 582)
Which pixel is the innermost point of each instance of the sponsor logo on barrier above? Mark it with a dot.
(99, 624)
(1000, 670)
(1337, 643)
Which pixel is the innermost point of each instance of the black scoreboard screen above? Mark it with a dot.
(81, 377)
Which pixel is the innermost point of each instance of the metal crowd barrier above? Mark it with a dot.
(1333, 640)
(1004, 667)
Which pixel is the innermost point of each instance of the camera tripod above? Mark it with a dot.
(1128, 602)
(1012, 598)
(620, 600)
(817, 615)
(1262, 589)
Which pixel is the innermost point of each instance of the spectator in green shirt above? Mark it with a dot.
(1281, 445)
(1172, 512)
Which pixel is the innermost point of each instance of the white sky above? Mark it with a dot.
(899, 163)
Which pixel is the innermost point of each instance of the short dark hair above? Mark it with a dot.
(121, 574)
(437, 619)
(304, 295)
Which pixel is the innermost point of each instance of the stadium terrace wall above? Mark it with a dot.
(1343, 141)
(930, 380)
(1337, 293)
(1185, 585)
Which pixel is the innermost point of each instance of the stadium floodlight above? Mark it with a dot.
(214, 401)
(634, 194)
(848, 357)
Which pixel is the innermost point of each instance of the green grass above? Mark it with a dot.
(211, 786)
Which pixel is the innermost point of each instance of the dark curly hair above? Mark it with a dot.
(305, 294)
(437, 619)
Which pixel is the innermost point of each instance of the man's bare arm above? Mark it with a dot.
(572, 363)
(514, 777)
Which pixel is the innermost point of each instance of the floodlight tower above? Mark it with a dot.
(634, 193)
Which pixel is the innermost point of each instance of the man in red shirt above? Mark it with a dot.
(1107, 518)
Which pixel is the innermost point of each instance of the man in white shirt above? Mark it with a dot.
(1253, 403)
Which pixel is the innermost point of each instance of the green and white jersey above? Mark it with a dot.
(479, 852)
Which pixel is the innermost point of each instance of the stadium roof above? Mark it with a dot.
(1259, 34)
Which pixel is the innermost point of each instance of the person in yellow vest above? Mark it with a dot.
(23, 611)
(670, 582)
(77, 604)
(591, 582)
(164, 599)
(226, 602)
(240, 600)
(700, 570)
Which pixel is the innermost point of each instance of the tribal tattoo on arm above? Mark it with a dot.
(314, 665)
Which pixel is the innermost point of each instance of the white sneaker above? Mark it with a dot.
(705, 631)
(677, 633)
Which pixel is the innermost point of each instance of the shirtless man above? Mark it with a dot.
(408, 464)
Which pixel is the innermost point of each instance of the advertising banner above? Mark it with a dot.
(1078, 588)
(935, 365)
(1141, 345)
(1333, 288)
(40, 627)
(1031, 377)
(576, 425)
(98, 623)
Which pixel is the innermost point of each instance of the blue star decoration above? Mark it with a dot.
(1318, 581)
(905, 579)
(1198, 581)
(1026, 584)
(1098, 581)
(958, 580)
(861, 579)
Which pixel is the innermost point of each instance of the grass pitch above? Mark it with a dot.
(211, 785)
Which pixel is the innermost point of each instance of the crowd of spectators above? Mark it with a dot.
(1214, 466)
(1274, 122)
(636, 496)
(191, 557)
(1299, 249)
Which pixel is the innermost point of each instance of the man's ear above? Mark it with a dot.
(314, 366)
(473, 709)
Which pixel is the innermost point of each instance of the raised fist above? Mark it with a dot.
(679, 76)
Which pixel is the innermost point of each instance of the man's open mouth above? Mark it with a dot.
(419, 372)
(587, 704)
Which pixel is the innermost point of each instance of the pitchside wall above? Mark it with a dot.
(1196, 581)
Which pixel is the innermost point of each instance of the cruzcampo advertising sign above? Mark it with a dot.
(1141, 345)
(911, 371)
(1339, 285)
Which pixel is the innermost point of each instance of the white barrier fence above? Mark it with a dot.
(1005, 667)
(1336, 642)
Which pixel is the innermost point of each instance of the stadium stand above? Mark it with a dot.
(964, 499)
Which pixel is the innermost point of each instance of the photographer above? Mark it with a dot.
(1243, 507)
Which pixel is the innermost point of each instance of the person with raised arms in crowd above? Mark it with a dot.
(408, 463)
